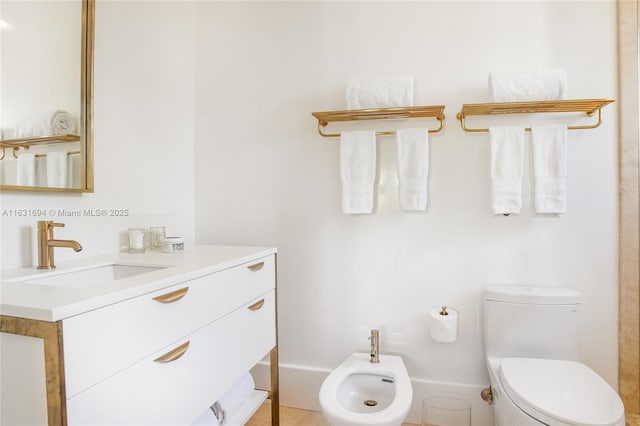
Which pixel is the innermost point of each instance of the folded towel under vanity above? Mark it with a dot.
(26, 169)
(514, 86)
(207, 418)
(232, 400)
(549, 146)
(413, 168)
(57, 162)
(507, 164)
(357, 170)
(379, 92)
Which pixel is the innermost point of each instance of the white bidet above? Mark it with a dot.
(361, 393)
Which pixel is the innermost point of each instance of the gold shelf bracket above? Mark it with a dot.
(432, 111)
(587, 106)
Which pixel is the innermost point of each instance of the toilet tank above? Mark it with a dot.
(533, 322)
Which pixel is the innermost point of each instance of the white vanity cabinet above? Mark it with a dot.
(163, 357)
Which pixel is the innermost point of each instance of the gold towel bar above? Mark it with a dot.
(326, 117)
(588, 106)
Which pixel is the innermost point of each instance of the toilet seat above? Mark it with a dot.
(561, 392)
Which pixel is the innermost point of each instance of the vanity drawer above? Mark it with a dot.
(100, 343)
(176, 392)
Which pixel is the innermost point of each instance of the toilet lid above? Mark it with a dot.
(565, 391)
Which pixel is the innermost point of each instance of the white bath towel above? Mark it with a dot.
(9, 171)
(56, 122)
(41, 170)
(514, 86)
(26, 169)
(413, 168)
(507, 164)
(357, 170)
(549, 146)
(233, 399)
(380, 92)
(74, 170)
(57, 163)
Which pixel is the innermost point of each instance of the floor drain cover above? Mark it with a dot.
(370, 403)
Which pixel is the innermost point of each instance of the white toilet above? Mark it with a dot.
(531, 338)
(361, 393)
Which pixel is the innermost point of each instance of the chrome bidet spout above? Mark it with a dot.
(375, 345)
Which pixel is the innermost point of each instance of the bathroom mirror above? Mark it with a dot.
(46, 99)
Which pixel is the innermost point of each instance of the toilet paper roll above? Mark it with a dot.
(444, 328)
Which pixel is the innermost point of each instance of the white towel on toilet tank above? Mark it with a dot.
(549, 145)
(380, 92)
(413, 168)
(515, 86)
(507, 165)
(357, 170)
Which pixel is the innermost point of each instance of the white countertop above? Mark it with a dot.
(53, 303)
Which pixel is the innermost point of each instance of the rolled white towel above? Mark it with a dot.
(515, 86)
(380, 92)
(56, 122)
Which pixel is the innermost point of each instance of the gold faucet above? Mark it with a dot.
(46, 243)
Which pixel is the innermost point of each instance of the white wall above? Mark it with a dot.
(264, 175)
(143, 128)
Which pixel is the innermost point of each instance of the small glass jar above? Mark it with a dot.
(137, 240)
(173, 244)
(156, 237)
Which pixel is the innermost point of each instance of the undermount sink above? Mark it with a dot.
(88, 276)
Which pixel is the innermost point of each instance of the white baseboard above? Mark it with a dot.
(299, 387)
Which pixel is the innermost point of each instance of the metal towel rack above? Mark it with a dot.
(326, 117)
(26, 143)
(588, 106)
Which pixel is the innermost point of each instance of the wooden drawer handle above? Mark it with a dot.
(256, 266)
(173, 354)
(256, 305)
(174, 296)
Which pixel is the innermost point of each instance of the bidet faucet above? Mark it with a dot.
(46, 244)
(375, 348)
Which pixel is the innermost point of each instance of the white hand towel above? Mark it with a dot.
(9, 172)
(413, 168)
(41, 170)
(514, 86)
(363, 93)
(507, 164)
(74, 168)
(357, 170)
(549, 145)
(26, 169)
(57, 169)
